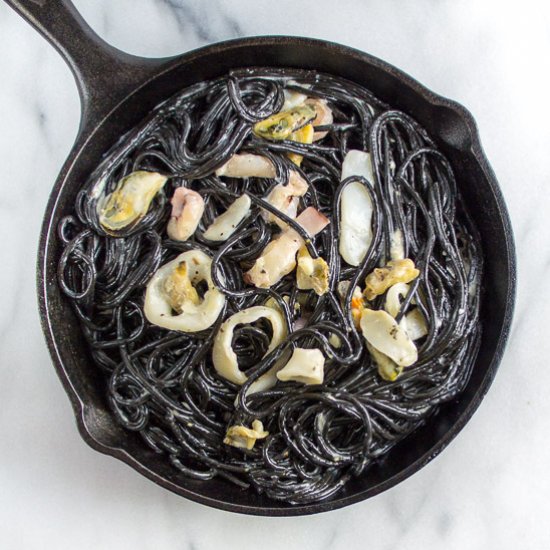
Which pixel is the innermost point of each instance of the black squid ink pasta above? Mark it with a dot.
(312, 438)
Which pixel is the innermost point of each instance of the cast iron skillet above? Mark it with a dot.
(117, 90)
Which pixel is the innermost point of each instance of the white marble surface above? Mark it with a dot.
(487, 491)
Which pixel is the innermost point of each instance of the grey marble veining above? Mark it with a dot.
(488, 490)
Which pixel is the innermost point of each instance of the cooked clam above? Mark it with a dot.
(130, 200)
(383, 333)
(382, 278)
(312, 273)
(245, 438)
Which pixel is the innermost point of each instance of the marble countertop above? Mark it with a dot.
(488, 490)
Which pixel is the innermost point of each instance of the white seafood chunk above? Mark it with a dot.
(226, 224)
(130, 200)
(394, 297)
(187, 211)
(245, 438)
(384, 334)
(247, 165)
(416, 325)
(305, 366)
(413, 322)
(356, 209)
(224, 358)
(279, 257)
(172, 301)
(284, 198)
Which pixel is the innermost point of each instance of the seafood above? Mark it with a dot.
(224, 358)
(312, 274)
(227, 223)
(356, 209)
(172, 300)
(283, 124)
(383, 333)
(187, 211)
(246, 165)
(382, 278)
(285, 198)
(305, 366)
(323, 116)
(131, 199)
(279, 257)
(245, 438)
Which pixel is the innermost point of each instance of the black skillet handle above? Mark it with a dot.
(104, 74)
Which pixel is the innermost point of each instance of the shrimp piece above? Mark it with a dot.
(187, 210)
(279, 256)
(246, 165)
(324, 116)
(285, 198)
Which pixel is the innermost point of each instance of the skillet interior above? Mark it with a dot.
(454, 131)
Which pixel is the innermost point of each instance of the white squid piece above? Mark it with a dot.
(285, 198)
(129, 201)
(226, 224)
(279, 257)
(172, 301)
(413, 322)
(356, 209)
(382, 332)
(225, 359)
(187, 211)
(305, 366)
(247, 165)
